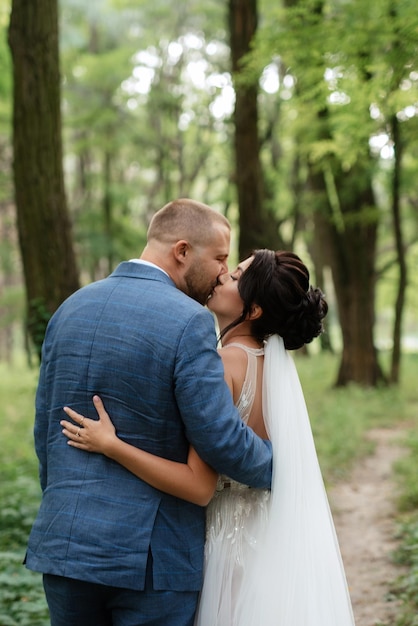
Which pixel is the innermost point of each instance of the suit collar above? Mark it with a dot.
(142, 262)
(142, 270)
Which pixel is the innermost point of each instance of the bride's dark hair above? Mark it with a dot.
(279, 283)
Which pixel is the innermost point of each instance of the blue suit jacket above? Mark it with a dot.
(150, 352)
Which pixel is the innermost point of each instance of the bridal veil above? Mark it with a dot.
(297, 577)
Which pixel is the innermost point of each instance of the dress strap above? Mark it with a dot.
(247, 395)
(255, 351)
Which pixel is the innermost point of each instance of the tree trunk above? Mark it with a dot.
(400, 250)
(107, 209)
(349, 240)
(42, 218)
(257, 228)
(318, 255)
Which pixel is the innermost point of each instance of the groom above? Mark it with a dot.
(113, 550)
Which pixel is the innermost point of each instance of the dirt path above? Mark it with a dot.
(364, 510)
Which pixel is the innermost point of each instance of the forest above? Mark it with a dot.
(297, 120)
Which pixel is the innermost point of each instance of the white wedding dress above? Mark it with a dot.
(235, 518)
(273, 559)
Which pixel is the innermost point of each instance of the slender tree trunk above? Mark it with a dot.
(317, 252)
(400, 250)
(107, 208)
(42, 218)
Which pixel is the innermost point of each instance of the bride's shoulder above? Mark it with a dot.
(233, 354)
(235, 361)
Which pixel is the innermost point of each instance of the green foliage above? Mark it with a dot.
(405, 589)
(38, 318)
(22, 601)
(138, 130)
(358, 68)
(407, 472)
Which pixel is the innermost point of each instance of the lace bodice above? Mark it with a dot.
(244, 404)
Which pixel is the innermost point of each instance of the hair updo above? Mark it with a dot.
(279, 283)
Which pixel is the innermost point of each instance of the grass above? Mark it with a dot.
(405, 588)
(340, 419)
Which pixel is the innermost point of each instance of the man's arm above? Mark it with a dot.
(212, 422)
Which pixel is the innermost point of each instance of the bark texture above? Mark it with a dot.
(257, 227)
(43, 222)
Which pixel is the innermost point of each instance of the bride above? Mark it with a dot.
(271, 558)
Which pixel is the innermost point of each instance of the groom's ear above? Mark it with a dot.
(255, 312)
(180, 250)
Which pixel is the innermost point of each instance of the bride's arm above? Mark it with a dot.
(194, 481)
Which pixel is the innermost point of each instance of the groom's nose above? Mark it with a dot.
(222, 278)
(224, 269)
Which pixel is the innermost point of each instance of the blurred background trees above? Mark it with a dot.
(295, 119)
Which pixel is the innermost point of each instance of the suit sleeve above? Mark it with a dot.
(41, 427)
(212, 422)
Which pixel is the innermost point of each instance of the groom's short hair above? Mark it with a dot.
(185, 219)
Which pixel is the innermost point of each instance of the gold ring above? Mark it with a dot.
(78, 432)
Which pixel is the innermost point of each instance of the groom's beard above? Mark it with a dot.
(198, 286)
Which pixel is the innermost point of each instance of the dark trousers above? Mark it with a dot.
(78, 603)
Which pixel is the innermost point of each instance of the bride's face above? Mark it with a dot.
(225, 300)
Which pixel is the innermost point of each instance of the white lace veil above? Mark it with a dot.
(297, 578)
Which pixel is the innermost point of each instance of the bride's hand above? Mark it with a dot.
(88, 434)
